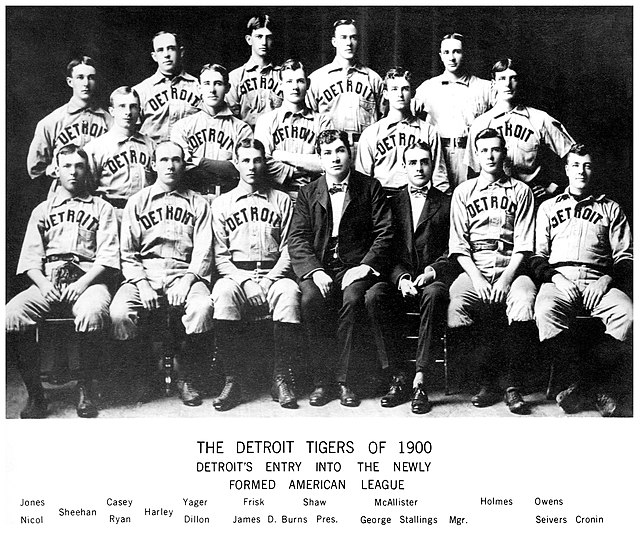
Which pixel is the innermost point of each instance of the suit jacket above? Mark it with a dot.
(428, 245)
(365, 235)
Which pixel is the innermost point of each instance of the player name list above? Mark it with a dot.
(332, 484)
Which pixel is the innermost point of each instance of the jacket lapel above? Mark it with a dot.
(430, 208)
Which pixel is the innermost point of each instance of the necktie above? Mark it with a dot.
(419, 191)
(337, 188)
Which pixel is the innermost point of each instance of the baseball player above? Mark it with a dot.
(120, 160)
(526, 130)
(349, 93)
(171, 93)
(491, 236)
(166, 250)
(383, 143)
(584, 259)
(77, 122)
(255, 86)
(451, 102)
(210, 137)
(251, 226)
(289, 133)
(70, 250)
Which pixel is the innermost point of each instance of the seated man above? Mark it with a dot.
(69, 251)
(340, 243)
(166, 250)
(491, 236)
(420, 276)
(251, 223)
(584, 259)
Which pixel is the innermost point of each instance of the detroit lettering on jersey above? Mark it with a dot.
(487, 202)
(392, 141)
(70, 133)
(210, 135)
(126, 158)
(252, 214)
(155, 216)
(293, 132)
(520, 132)
(348, 86)
(174, 93)
(82, 218)
(564, 214)
(263, 82)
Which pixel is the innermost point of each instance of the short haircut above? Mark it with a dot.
(72, 149)
(580, 149)
(454, 35)
(250, 143)
(216, 68)
(124, 90)
(397, 72)
(503, 64)
(260, 21)
(179, 43)
(418, 145)
(81, 60)
(326, 137)
(292, 64)
(167, 142)
(344, 22)
(489, 133)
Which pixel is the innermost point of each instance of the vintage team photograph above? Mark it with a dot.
(319, 211)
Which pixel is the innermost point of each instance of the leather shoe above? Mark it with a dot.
(188, 394)
(420, 401)
(86, 407)
(281, 392)
(229, 397)
(398, 393)
(36, 408)
(607, 405)
(571, 399)
(347, 397)
(320, 396)
(487, 396)
(514, 401)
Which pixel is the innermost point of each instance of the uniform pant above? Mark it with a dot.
(126, 308)
(456, 167)
(90, 311)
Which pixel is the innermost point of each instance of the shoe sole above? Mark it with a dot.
(196, 402)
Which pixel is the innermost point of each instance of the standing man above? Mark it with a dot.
(289, 133)
(382, 144)
(209, 137)
(77, 122)
(166, 250)
(349, 93)
(255, 86)
(584, 259)
(120, 160)
(251, 225)
(526, 130)
(491, 238)
(451, 102)
(340, 242)
(171, 93)
(70, 251)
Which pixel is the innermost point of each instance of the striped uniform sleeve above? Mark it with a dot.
(459, 227)
(201, 263)
(523, 226)
(33, 253)
(130, 243)
(283, 265)
(107, 242)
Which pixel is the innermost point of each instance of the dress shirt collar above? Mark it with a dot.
(345, 182)
(505, 182)
(252, 65)
(59, 200)
(588, 199)
(335, 66)
(74, 107)
(159, 78)
(157, 191)
(285, 113)
(465, 80)
(409, 119)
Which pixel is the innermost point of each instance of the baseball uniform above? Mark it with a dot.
(451, 107)
(78, 230)
(164, 101)
(525, 130)
(254, 90)
(582, 240)
(382, 147)
(164, 236)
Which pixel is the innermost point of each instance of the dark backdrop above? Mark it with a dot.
(578, 61)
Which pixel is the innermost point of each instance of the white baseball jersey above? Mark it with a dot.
(292, 132)
(120, 164)
(526, 130)
(351, 97)
(164, 235)
(254, 90)
(164, 101)
(252, 227)
(67, 124)
(382, 146)
(498, 214)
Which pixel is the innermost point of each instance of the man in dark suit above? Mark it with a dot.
(340, 243)
(420, 276)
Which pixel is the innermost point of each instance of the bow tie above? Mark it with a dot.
(337, 188)
(419, 191)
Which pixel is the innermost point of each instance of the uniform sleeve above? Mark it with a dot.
(378, 88)
(458, 236)
(40, 151)
(95, 167)
(222, 254)
(440, 178)
(283, 266)
(107, 242)
(130, 245)
(179, 136)
(366, 147)
(233, 96)
(523, 226)
(418, 103)
(542, 271)
(312, 94)
(470, 156)
(278, 171)
(33, 253)
(202, 254)
(622, 251)
(556, 136)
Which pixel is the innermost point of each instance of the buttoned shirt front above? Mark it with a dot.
(164, 101)
(417, 204)
(85, 227)
(337, 202)
(350, 96)
(120, 164)
(382, 147)
(164, 235)
(254, 90)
